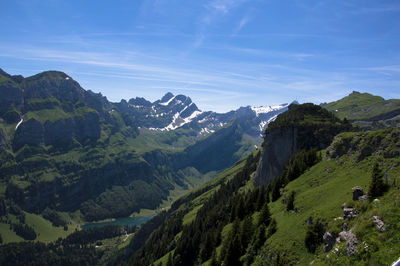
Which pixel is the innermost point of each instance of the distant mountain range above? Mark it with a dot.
(175, 111)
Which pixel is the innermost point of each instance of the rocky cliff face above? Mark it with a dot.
(59, 132)
(11, 96)
(30, 132)
(281, 145)
(303, 127)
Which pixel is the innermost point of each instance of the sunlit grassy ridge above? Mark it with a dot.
(358, 106)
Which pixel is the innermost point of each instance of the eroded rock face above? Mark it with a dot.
(59, 132)
(11, 96)
(30, 132)
(282, 144)
(87, 127)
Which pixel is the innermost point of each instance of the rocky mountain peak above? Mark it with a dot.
(139, 101)
(53, 84)
(166, 97)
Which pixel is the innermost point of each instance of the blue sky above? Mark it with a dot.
(222, 53)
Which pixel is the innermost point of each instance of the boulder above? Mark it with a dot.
(357, 192)
(349, 213)
(351, 241)
(363, 198)
(345, 226)
(329, 241)
(379, 224)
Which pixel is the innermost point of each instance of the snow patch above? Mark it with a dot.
(206, 131)
(266, 109)
(272, 119)
(264, 123)
(19, 123)
(166, 103)
(178, 121)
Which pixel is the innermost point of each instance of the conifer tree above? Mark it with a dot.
(233, 252)
(265, 215)
(276, 193)
(313, 236)
(240, 210)
(267, 192)
(271, 228)
(259, 237)
(377, 186)
(260, 198)
(214, 261)
(290, 202)
(246, 232)
(170, 261)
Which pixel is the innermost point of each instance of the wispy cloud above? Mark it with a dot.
(378, 9)
(224, 6)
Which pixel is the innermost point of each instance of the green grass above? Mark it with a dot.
(318, 194)
(56, 113)
(9, 235)
(164, 259)
(190, 216)
(45, 230)
(52, 115)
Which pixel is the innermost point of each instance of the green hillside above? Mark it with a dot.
(230, 221)
(362, 106)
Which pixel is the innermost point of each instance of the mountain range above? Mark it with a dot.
(275, 185)
(69, 149)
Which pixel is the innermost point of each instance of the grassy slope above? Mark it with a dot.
(320, 192)
(45, 231)
(358, 106)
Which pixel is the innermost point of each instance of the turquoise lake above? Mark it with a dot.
(120, 221)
